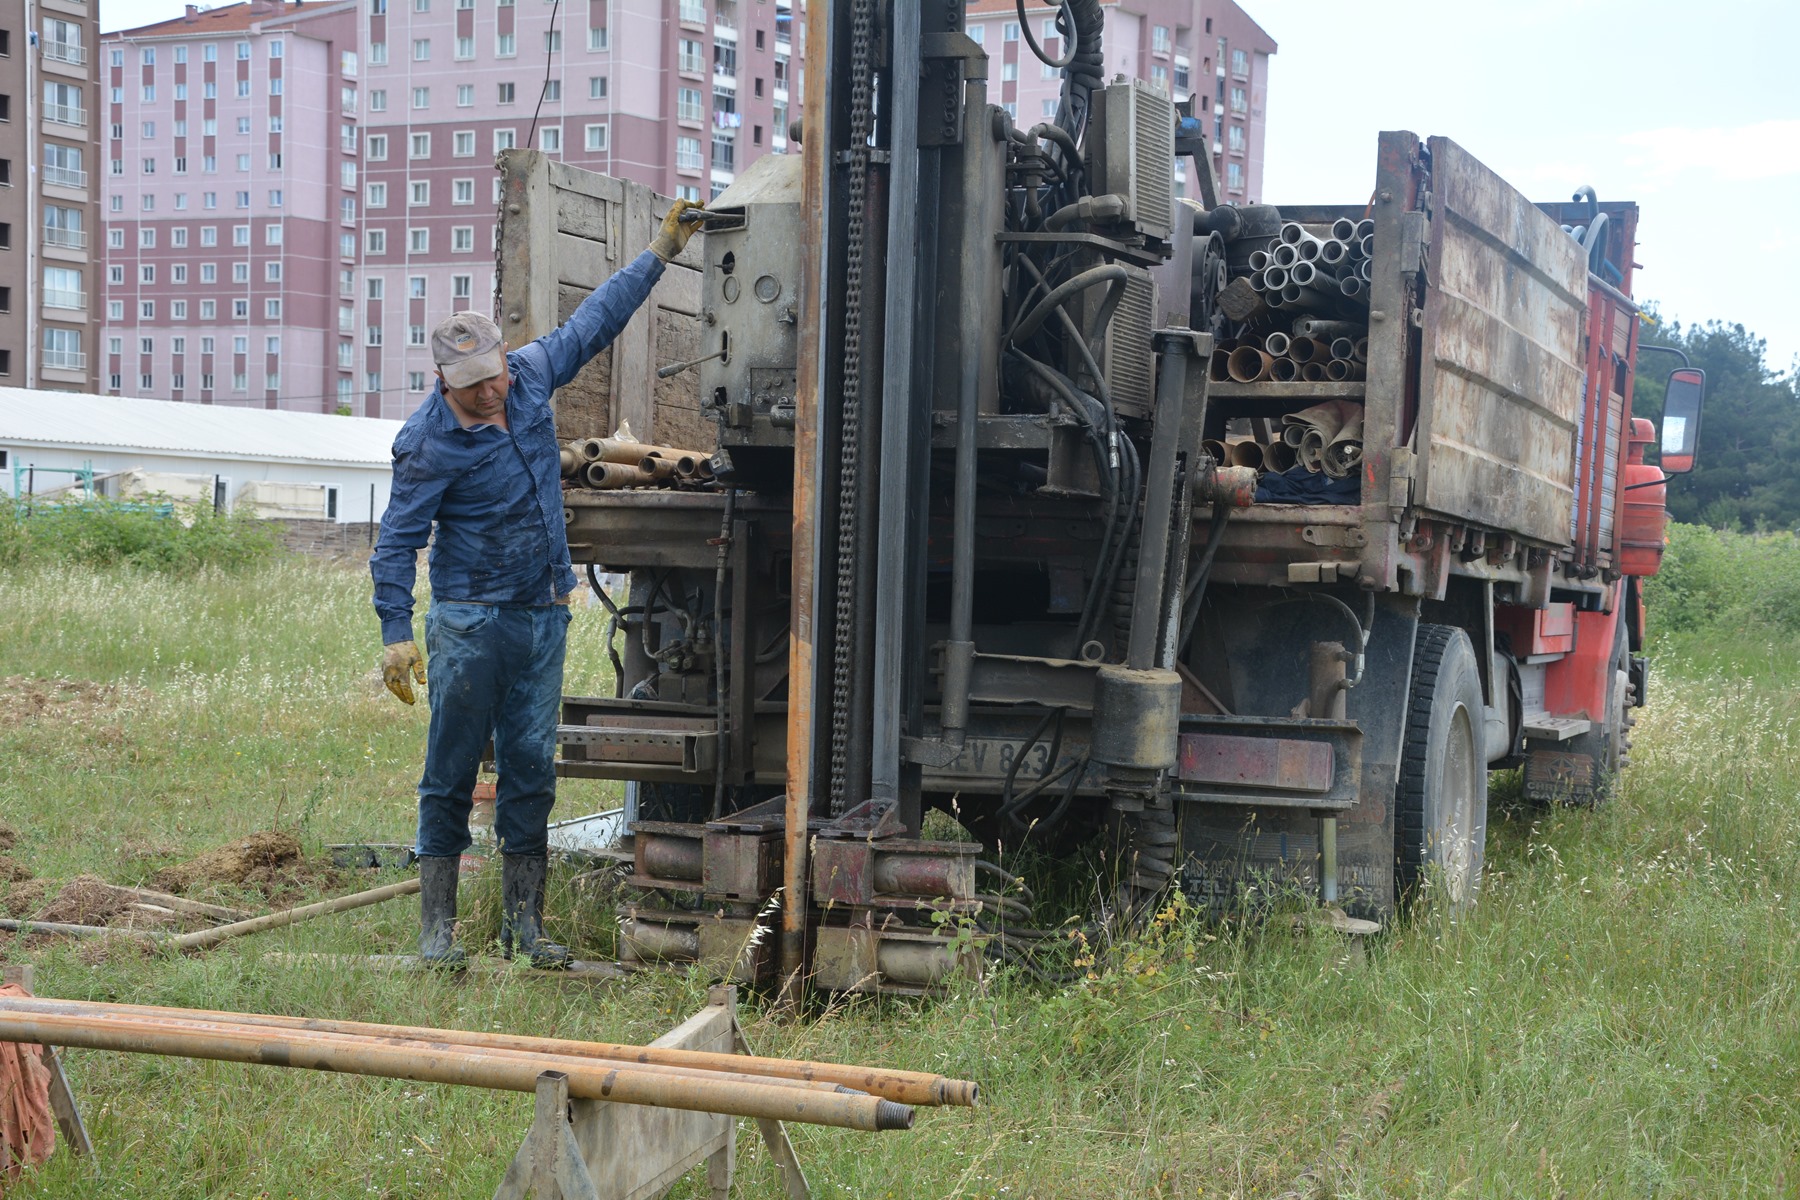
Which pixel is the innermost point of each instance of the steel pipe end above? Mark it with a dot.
(960, 1093)
(891, 1115)
(1343, 229)
(1277, 343)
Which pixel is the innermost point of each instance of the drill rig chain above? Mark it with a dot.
(862, 113)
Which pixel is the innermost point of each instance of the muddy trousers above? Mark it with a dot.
(496, 670)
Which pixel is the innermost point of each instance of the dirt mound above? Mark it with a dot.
(21, 900)
(25, 698)
(9, 837)
(13, 871)
(270, 861)
(84, 900)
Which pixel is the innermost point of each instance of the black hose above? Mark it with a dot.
(1065, 23)
(1199, 573)
(1112, 274)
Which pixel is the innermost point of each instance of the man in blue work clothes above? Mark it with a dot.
(480, 459)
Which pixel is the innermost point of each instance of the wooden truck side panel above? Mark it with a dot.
(1501, 360)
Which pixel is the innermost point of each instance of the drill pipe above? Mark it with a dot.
(1244, 453)
(1324, 328)
(450, 1064)
(1338, 370)
(1360, 352)
(1284, 370)
(909, 1087)
(1249, 365)
(1279, 457)
(606, 476)
(1259, 259)
(1312, 275)
(1343, 347)
(1283, 255)
(1366, 246)
(660, 468)
(1218, 367)
(1305, 349)
(1295, 296)
(1365, 228)
(1350, 285)
(1333, 252)
(1274, 279)
(275, 920)
(1276, 343)
(1313, 372)
(1343, 229)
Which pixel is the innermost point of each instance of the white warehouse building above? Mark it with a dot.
(273, 463)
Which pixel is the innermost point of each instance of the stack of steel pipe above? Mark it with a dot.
(851, 1097)
(1305, 271)
(608, 463)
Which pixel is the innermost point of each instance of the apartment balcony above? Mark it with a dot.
(66, 52)
(67, 239)
(65, 360)
(65, 177)
(725, 33)
(693, 12)
(59, 298)
(65, 114)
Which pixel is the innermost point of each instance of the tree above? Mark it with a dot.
(1748, 470)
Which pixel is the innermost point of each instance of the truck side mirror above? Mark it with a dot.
(1680, 440)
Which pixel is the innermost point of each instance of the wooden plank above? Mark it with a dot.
(527, 247)
(1501, 377)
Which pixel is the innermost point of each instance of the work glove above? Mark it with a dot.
(674, 234)
(399, 660)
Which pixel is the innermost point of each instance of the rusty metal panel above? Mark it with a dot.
(563, 231)
(1285, 763)
(1500, 383)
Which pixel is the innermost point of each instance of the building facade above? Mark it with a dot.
(1208, 49)
(49, 215)
(297, 192)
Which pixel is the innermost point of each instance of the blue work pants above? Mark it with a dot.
(496, 670)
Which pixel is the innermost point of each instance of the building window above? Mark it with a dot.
(689, 61)
(552, 41)
(503, 140)
(415, 382)
(465, 48)
(421, 49)
(550, 140)
(1009, 32)
(1234, 176)
(377, 100)
(1240, 100)
(419, 192)
(378, 147)
(419, 146)
(375, 241)
(462, 191)
(505, 46)
(1240, 63)
(240, 310)
(504, 93)
(372, 335)
(1159, 39)
(465, 95)
(178, 310)
(415, 287)
(272, 309)
(459, 286)
(688, 105)
(462, 143)
(687, 154)
(597, 37)
(553, 90)
(421, 97)
(596, 137)
(462, 238)
(272, 272)
(596, 87)
(418, 241)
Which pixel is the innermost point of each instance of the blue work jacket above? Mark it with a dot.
(495, 494)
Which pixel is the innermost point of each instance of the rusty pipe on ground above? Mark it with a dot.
(1249, 365)
(452, 1065)
(212, 937)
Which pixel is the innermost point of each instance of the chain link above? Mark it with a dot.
(849, 443)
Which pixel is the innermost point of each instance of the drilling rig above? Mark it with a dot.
(1238, 541)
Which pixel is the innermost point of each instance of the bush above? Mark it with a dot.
(161, 537)
(1713, 577)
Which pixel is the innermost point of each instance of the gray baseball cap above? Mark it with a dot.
(466, 348)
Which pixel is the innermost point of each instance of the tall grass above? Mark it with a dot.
(1617, 1017)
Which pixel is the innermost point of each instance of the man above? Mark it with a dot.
(481, 459)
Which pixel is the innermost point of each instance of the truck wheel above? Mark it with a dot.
(1440, 805)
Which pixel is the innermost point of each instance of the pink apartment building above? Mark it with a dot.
(1209, 49)
(298, 192)
(222, 164)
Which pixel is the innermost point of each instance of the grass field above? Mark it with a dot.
(1619, 1017)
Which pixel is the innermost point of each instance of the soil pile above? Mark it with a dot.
(270, 861)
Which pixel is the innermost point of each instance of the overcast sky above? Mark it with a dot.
(1692, 110)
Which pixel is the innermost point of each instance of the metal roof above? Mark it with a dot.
(78, 421)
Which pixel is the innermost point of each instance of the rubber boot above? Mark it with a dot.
(437, 911)
(522, 917)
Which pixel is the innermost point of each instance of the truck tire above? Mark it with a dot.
(1440, 805)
